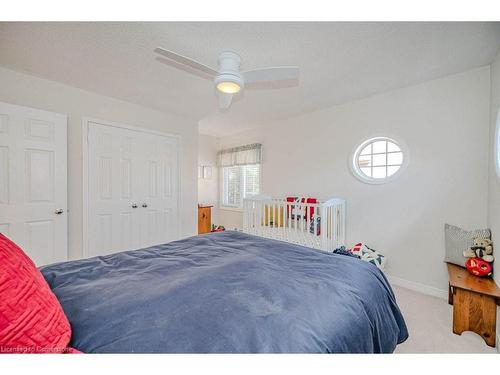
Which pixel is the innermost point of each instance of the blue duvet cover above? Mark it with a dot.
(227, 292)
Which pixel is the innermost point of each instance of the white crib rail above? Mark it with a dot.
(318, 225)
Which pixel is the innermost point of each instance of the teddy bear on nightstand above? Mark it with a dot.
(483, 249)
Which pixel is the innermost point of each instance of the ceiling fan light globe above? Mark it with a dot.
(228, 87)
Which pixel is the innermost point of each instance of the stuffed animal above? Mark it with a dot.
(478, 267)
(482, 249)
(218, 228)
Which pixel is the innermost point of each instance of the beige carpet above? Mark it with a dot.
(429, 321)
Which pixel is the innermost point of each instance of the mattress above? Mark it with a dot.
(227, 292)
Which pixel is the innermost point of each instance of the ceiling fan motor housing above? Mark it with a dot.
(229, 69)
(228, 79)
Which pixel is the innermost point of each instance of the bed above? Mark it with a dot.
(227, 292)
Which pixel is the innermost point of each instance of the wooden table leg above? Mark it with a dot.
(474, 312)
(450, 294)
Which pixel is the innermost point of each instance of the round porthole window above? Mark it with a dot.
(379, 160)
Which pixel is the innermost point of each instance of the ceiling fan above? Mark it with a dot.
(228, 79)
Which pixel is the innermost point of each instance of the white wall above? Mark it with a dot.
(494, 180)
(23, 89)
(208, 189)
(445, 124)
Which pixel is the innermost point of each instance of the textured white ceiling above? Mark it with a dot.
(339, 62)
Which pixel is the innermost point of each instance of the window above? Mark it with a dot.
(378, 160)
(240, 177)
(238, 182)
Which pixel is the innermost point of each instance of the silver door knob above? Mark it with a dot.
(59, 211)
(134, 205)
(144, 205)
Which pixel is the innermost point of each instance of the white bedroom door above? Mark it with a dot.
(132, 200)
(33, 181)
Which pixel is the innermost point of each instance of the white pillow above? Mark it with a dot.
(370, 255)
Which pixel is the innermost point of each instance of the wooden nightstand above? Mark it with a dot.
(474, 301)
(204, 219)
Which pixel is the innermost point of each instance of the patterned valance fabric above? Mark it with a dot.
(242, 155)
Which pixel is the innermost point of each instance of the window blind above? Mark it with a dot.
(232, 186)
(242, 155)
(251, 179)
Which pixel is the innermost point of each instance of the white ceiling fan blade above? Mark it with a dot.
(275, 77)
(225, 100)
(185, 68)
(185, 61)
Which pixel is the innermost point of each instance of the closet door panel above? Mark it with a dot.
(114, 223)
(160, 202)
(170, 187)
(130, 190)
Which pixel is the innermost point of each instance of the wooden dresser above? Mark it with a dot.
(204, 219)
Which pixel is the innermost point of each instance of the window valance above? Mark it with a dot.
(242, 155)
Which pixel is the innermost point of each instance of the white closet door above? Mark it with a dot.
(129, 207)
(33, 181)
(114, 217)
(159, 205)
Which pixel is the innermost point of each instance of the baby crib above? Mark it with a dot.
(319, 225)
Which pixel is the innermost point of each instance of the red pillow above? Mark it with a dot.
(31, 318)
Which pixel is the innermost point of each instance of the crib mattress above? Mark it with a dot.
(288, 234)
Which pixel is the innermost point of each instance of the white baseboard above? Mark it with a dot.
(418, 287)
